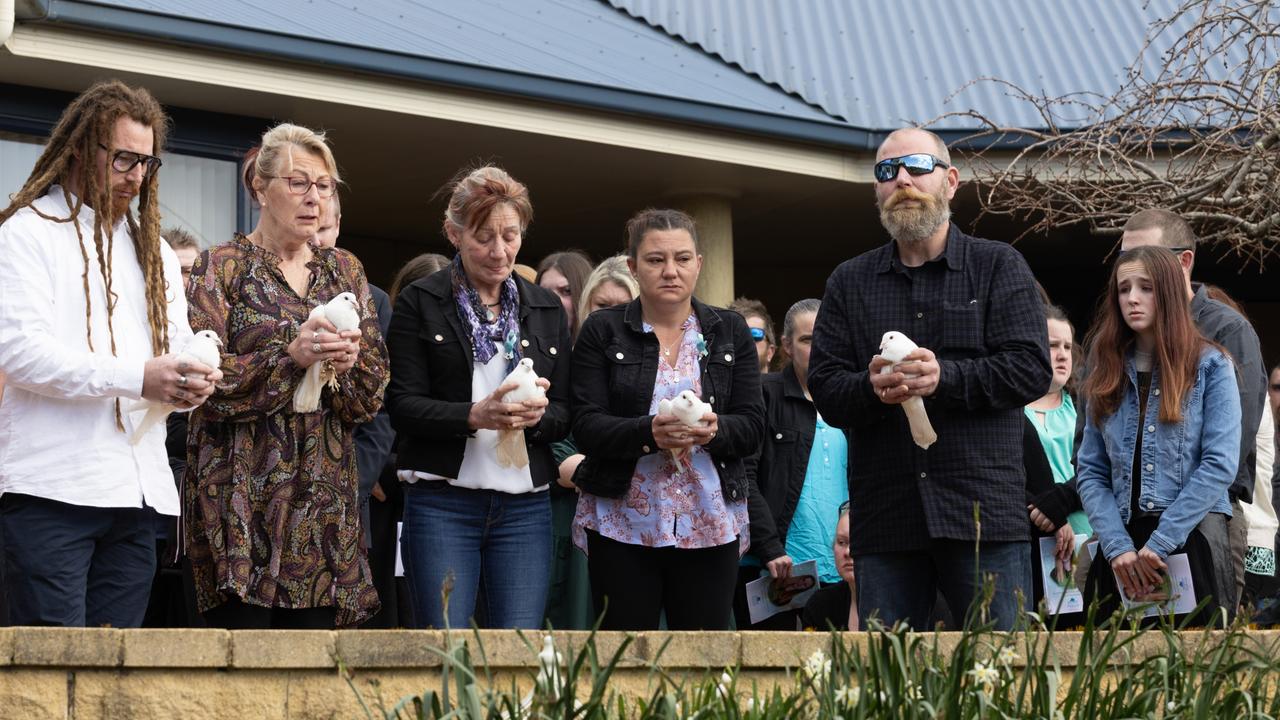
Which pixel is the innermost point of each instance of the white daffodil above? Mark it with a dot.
(848, 696)
(1007, 656)
(549, 662)
(817, 667)
(985, 675)
(724, 687)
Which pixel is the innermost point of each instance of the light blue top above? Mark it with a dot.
(1186, 467)
(826, 486)
(1057, 431)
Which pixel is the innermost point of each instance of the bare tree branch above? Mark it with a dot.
(1199, 134)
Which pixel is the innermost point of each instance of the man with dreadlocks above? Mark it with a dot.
(91, 302)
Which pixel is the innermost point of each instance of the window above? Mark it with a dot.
(196, 193)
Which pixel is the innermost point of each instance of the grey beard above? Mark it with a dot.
(914, 226)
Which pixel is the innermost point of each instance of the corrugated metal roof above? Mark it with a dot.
(881, 65)
(582, 41)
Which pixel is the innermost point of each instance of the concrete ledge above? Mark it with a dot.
(390, 648)
(176, 648)
(67, 647)
(214, 674)
(282, 649)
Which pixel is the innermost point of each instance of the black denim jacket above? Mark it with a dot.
(615, 367)
(429, 396)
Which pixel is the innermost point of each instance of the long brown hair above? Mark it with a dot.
(1178, 343)
(88, 123)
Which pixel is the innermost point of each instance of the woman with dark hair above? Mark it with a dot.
(471, 521)
(1161, 440)
(418, 267)
(663, 511)
(564, 274)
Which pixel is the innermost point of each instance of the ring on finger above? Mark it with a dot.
(182, 381)
(315, 348)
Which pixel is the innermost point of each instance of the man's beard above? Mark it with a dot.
(913, 225)
(120, 206)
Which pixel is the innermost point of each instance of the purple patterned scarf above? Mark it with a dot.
(505, 328)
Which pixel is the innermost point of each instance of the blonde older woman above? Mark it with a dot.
(270, 494)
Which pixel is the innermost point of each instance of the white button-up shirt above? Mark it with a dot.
(58, 434)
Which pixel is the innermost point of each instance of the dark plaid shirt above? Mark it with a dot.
(976, 307)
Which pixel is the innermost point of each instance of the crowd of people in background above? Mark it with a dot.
(580, 444)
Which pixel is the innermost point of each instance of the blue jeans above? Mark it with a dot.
(488, 542)
(903, 586)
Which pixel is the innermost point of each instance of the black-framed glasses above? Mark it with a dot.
(915, 163)
(325, 186)
(757, 334)
(122, 161)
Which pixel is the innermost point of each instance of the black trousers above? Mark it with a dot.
(396, 611)
(1208, 550)
(694, 587)
(237, 615)
(76, 566)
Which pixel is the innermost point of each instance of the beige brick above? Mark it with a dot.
(33, 693)
(66, 647)
(282, 649)
(390, 648)
(174, 648)
(6, 645)
(205, 693)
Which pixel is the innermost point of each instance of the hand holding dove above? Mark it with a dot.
(325, 361)
(196, 364)
(894, 349)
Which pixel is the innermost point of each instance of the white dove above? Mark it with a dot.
(688, 409)
(894, 346)
(344, 312)
(202, 348)
(512, 451)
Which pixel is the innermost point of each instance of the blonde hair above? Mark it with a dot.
(612, 270)
(278, 143)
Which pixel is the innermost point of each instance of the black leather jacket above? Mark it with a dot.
(779, 468)
(615, 367)
(429, 397)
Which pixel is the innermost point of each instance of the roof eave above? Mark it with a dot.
(244, 41)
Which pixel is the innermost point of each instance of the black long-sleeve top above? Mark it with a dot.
(976, 307)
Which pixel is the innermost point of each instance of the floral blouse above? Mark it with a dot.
(270, 507)
(672, 502)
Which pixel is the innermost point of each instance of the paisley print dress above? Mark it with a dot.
(270, 509)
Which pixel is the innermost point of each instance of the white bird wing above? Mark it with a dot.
(342, 315)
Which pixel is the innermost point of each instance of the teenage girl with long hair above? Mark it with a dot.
(1161, 440)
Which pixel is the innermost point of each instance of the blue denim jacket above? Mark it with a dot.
(1186, 467)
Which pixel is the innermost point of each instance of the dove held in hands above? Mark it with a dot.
(511, 449)
(894, 347)
(343, 311)
(203, 347)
